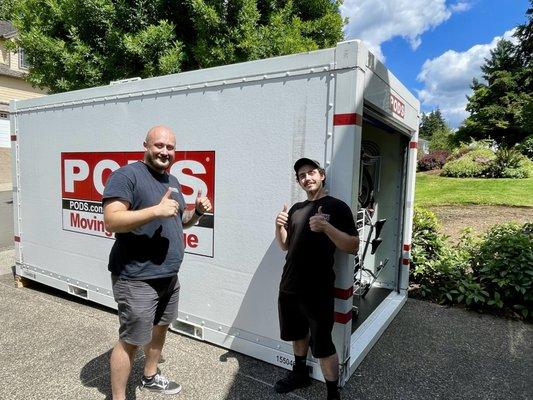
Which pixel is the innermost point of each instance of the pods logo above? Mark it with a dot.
(83, 178)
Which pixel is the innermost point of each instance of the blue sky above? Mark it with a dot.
(435, 47)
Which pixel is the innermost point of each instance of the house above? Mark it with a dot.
(13, 69)
(423, 146)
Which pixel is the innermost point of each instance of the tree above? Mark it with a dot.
(431, 123)
(524, 34)
(442, 139)
(6, 9)
(501, 106)
(73, 44)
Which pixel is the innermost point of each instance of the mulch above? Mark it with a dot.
(480, 218)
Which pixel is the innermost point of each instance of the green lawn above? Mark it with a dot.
(432, 190)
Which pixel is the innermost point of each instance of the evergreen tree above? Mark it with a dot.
(524, 34)
(501, 106)
(442, 139)
(73, 44)
(431, 123)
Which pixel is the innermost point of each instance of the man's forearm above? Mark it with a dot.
(342, 240)
(190, 218)
(128, 220)
(281, 237)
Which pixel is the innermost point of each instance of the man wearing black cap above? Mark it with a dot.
(310, 232)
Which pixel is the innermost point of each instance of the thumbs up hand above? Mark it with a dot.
(168, 207)
(202, 204)
(318, 222)
(282, 218)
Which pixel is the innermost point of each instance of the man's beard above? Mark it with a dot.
(157, 163)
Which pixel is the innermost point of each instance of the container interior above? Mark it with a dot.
(379, 218)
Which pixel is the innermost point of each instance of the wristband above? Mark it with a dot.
(198, 213)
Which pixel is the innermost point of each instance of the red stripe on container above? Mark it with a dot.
(343, 318)
(412, 145)
(406, 247)
(17, 239)
(347, 119)
(13, 138)
(405, 261)
(344, 294)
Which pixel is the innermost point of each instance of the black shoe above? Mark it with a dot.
(292, 381)
(158, 383)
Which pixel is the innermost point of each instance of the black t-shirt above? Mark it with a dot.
(155, 249)
(310, 255)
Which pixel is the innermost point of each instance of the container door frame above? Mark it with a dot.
(364, 338)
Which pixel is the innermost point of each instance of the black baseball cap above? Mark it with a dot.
(306, 161)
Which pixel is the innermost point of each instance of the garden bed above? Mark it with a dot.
(454, 218)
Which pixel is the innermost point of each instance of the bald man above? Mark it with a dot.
(144, 206)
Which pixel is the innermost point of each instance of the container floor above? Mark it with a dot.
(367, 304)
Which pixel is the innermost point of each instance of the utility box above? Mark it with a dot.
(239, 130)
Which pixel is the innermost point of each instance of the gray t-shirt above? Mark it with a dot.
(155, 249)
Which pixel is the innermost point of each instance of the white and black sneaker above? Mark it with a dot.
(158, 383)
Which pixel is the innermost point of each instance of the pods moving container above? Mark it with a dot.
(239, 130)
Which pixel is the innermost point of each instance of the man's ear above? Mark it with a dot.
(145, 145)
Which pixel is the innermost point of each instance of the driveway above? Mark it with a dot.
(6, 220)
(55, 346)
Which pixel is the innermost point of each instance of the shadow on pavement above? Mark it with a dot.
(255, 380)
(59, 295)
(96, 374)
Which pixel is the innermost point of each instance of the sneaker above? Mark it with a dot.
(158, 383)
(292, 381)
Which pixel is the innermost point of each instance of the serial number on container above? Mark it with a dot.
(284, 360)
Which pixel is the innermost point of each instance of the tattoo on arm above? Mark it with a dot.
(187, 215)
(187, 218)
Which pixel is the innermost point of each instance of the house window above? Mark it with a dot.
(4, 115)
(23, 63)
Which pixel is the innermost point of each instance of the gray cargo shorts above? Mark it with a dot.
(143, 304)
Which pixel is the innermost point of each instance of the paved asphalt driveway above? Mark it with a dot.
(54, 346)
(6, 219)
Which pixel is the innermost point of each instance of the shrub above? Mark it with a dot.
(526, 147)
(503, 264)
(459, 152)
(427, 243)
(442, 270)
(441, 278)
(492, 272)
(465, 148)
(433, 160)
(509, 163)
(475, 163)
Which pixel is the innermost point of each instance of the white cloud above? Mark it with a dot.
(375, 22)
(447, 79)
(460, 6)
